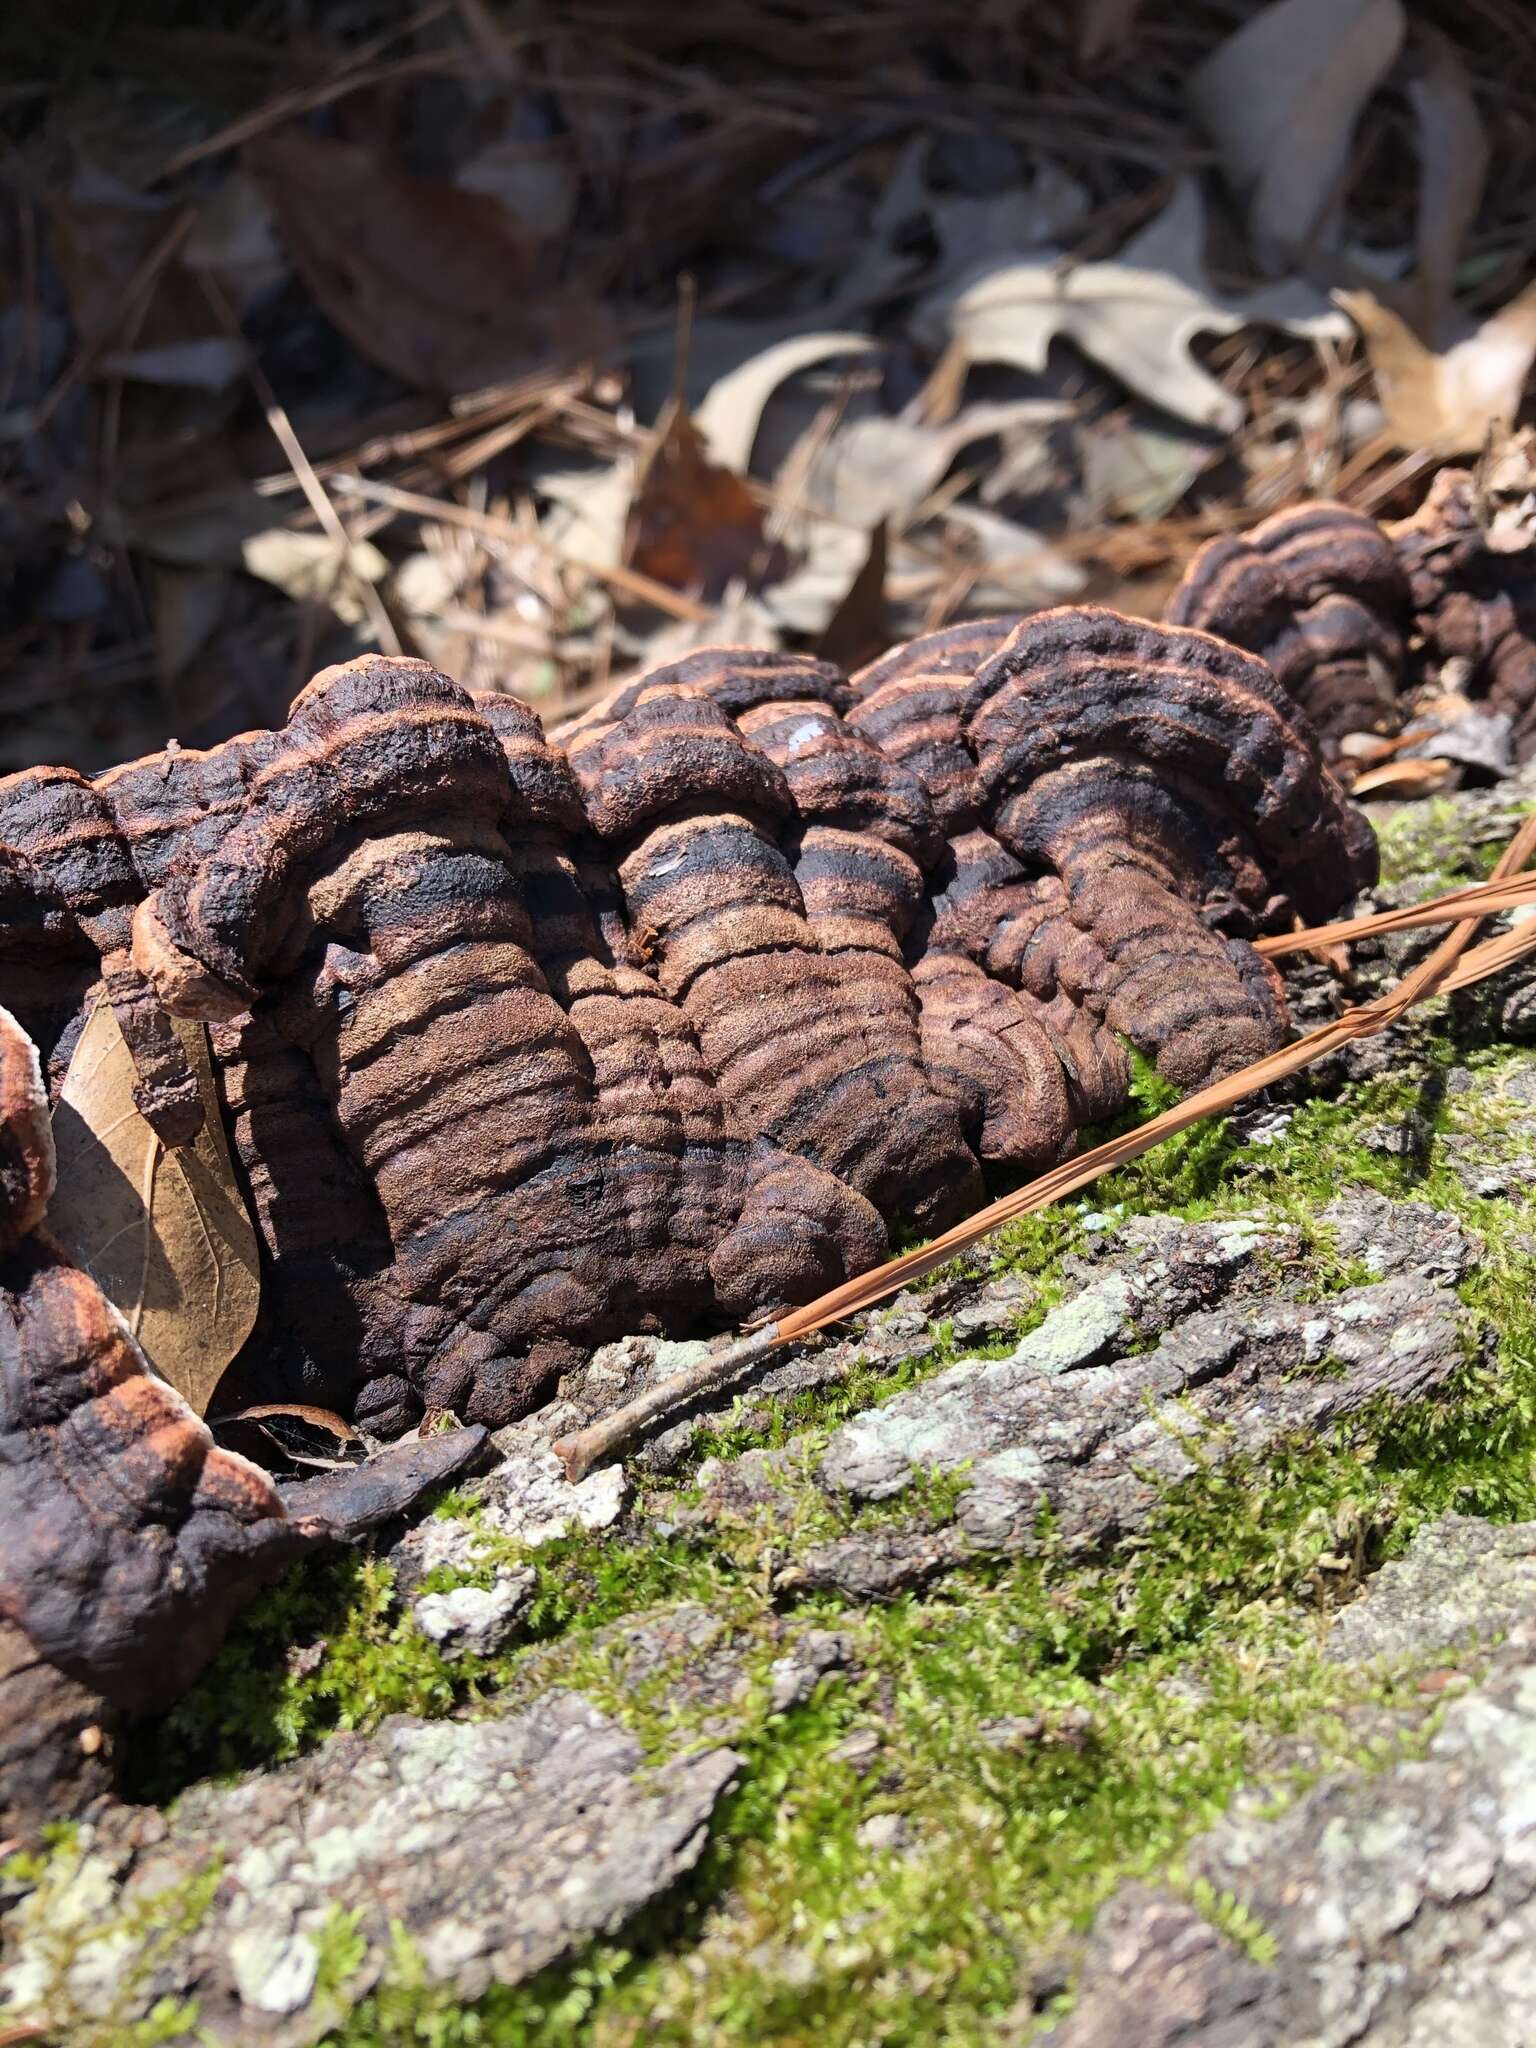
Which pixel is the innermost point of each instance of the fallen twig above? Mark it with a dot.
(358, 71)
(646, 588)
(1450, 966)
(613, 1432)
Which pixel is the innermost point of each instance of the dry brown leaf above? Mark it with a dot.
(164, 1233)
(1411, 777)
(860, 627)
(308, 567)
(1135, 314)
(280, 1435)
(1280, 98)
(731, 412)
(1445, 404)
(440, 285)
(692, 524)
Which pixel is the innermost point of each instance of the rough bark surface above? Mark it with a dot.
(495, 1846)
(1399, 1906)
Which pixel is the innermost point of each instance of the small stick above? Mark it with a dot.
(579, 1453)
(451, 513)
(1444, 970)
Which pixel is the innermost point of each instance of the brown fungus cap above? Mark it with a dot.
(1318, 592)
(59, 821)
(810, 1032)
(910, 704)
(1161, 774)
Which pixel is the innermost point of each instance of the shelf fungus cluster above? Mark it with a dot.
(526, 1042)
(130, 1537)
(1352, 616)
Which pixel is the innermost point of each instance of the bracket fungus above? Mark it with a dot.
(1163, 778)
(1319, 592)
(525, 1042)
(65, 832)
(1353, 616)
(130, 1538)
(1472, 585)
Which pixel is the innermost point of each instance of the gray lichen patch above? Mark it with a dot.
(1462, 1581)
(492, 1847)
(1071, 1424)
(1393, 1908)
(475, 1621)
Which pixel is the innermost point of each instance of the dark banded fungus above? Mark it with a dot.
(909, 706)
(58, 821)
(703, 1215)
(130, 1539)
(694, 816)
(330, 1318)
(366, 899)
(1474, 603)
(1161, 776)
(1318, 592)
(522, 1045)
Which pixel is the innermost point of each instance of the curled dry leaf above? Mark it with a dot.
(885, 466)
(729, 416)
(1280, 99)
(1136, 314)
(440, 285)
(286, 1435)
(1446, 403)
(694, 524)
(308, 567)
(1405, 777)
(163, 1233)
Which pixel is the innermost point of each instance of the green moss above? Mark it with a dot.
(324, 1650)
(85, 1966)
(798, 1923)
(1154, 1680)
(1234, 1919)
(340, 1952)
(1435, 845)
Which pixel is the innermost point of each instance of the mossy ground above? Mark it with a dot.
(1149, 1681)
